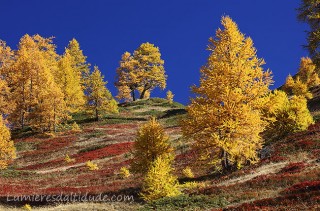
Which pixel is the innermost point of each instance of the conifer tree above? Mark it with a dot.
(306, 78)
(170, 96)
(285, 115)
(69, 80)
(100, 98)
(79, 61)
(297, 87)
(7, 103)
(143, 71)
(7, 149)
(309, 12)
(151, 142)
(159, 181)
(307, 72)
(38, 98)
(225, 119)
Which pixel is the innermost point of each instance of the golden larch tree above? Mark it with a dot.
(79, 61)
(151, 142)
(100, 98)
(285, 115)
(170, 96)
(159, 181)
(34, 87)
(224, 119)
(69, 80)
(142, 71)
(7, 149)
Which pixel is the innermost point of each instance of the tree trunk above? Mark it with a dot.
(97, 115)
(143, 93)
(133, 95)
(225, 161)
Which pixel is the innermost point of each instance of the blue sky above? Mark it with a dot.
(107, 28)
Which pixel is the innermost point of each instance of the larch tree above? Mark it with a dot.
(69, 80)
(224, 119)
(7, 103)
(79, 61)
(7, 149)
(297, 87)
(34, 87)
(142, 71)
(284, 115)
(159, 181)
(128, 77)
(170, 96)
(307, 73)
(151, 64)
(304, 80)
(151, 142)
(309, 12)
(100, 98)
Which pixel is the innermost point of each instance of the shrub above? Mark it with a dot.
(185, 202)
(75, 127)
(92, 166)
(68, 159)
(159, 181)
(170, 96)
(27, 207)
(188, 172)
(124, 172)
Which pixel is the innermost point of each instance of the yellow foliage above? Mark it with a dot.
(68, 159)
(124, 172)
(159, 181)
(151, 142)
(68, 77)
(285, 115)
(79, 62)
(170, 96)
(191, 185)
(224, 119)
(100, 99)
(142, 71)
(27, 207)
(188, 172)
(7, 149)
(306, 78)
(75, 127)
(92, 166)
(39, 101)
(297, 87)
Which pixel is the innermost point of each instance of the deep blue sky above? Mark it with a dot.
(105, 29)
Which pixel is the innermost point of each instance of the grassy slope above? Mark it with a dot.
(277, 182)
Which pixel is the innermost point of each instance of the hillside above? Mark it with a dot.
(287, 177)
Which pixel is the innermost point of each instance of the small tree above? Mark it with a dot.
(306, 78)
(285, 115)
(7, 149)
(297, 87)
(159, 181)
(151, 142)
(170, 96)
(100, 99)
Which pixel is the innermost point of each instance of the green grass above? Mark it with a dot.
(152, 102)
(92, 148)
(184, 202)
(23, 146)
(95, 134)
